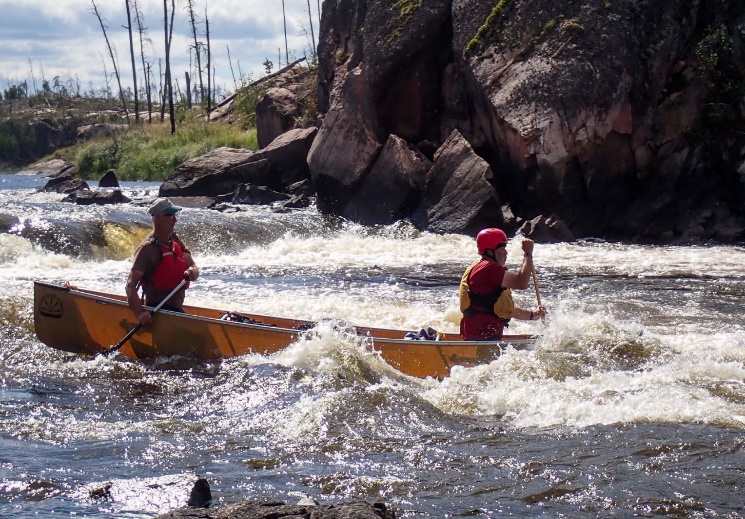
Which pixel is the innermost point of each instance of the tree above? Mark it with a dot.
(312, 36)
(209, 59)
(132, 57)
(284, 20)
(145, 66)
(17, 91)
(230, 62)
(190, 7)
(111, 53)
(168, 32)
(33, 77)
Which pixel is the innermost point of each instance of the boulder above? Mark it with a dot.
(201, 494)
(97, 197)
(217, 172)
(257, 195)
(346, 145)
(7, 222)
(458, 196)
(295, 202)
(547, 230)
(90, 131)
(109, 179)
(65, 183)
(268, 508)
(275, 114)
(49, 168)
(304, 187)
(194, 202)
(288, 155)
(404, 44)
(392, 188)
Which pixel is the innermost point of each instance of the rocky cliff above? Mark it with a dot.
(620, 119)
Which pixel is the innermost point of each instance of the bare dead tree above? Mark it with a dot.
(168, 37)
(145, 66)
(209, 59)
(179, 95)
(106, 78)
(148, 75)
(113, 60)
(230, 62)
(43, 79)
(312, 36)
(132, 57)
(192, 19)
(240, 72)
(284, 20)
(163, 95)
(188, 88)
(31, 71)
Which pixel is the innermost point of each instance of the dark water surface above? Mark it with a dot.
(632, 404)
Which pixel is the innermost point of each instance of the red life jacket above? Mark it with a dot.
(170, 270)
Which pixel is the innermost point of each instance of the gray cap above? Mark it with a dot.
(163, 206)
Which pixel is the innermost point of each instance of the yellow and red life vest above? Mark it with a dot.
(496, 302)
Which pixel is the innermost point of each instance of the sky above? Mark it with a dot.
(63, 38)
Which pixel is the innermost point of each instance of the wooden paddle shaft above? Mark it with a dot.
(537, 292)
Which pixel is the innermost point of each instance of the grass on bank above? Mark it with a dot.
(150, 152)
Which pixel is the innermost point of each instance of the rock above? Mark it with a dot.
(49, 168)
(392, 188)
(458, 197)
(403, 49)
(109, 179)
(103, 492)
(576, 117)
(304, 187)
(275, 114)
(295, 202)
(7, 222)
(272, 509)
(194, 202)
(547, 230)
(97, 197)
(65, 183)
(346, 145)
(91, 131)
(216, 173)
(288, 155)
(201, 495)
(257, 195)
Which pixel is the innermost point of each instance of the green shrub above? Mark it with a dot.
(96, 158)
(151, 152)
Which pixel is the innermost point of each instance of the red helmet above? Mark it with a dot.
(489, 239)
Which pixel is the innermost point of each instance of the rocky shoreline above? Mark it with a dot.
(200, 501)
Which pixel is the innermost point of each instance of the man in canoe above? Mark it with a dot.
(160, 263)
(485, 297)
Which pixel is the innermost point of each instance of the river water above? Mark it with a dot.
(632, 403)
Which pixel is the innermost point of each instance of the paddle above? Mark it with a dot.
(134, 330)
(537, 293)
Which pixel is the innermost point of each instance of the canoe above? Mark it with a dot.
(89, 322)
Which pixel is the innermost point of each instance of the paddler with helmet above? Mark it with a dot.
(485, 289)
